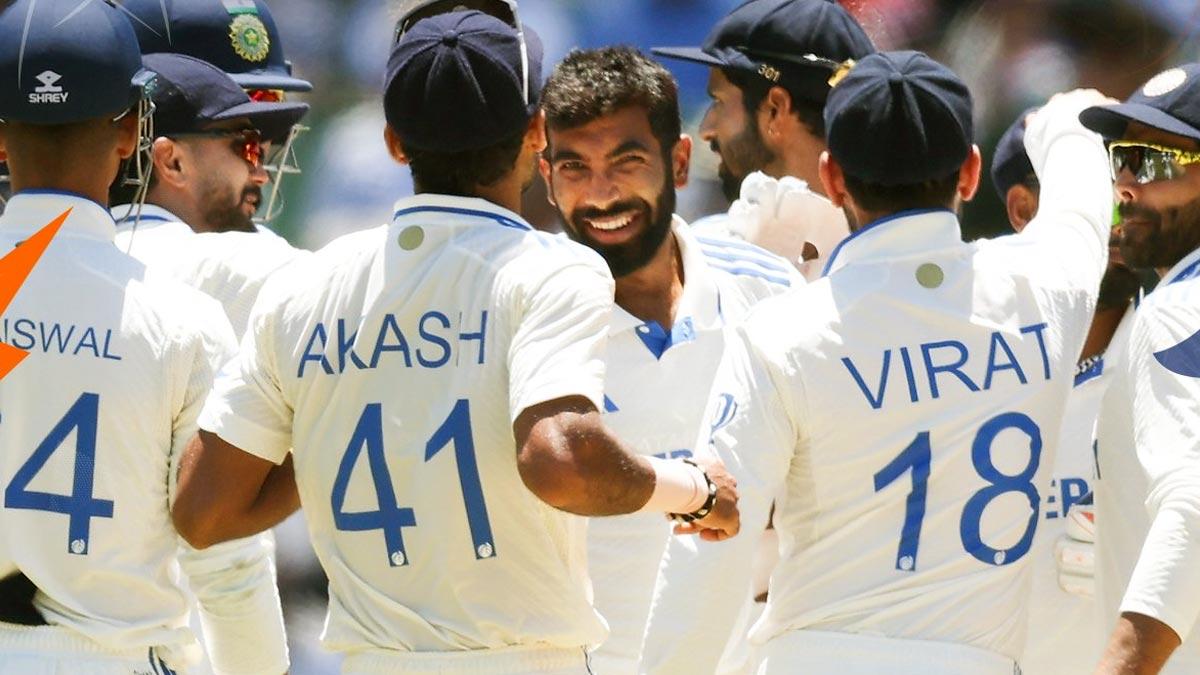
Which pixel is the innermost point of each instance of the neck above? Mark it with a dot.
(652, 293)
(90, 189)
(505, 192)
(178, 205)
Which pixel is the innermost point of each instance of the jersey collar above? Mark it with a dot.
(31, 210)
(904, 233)
(429, 204)
(151, 214)
(700, 304)
(1188, 268)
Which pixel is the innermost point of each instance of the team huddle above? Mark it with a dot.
(818, 433)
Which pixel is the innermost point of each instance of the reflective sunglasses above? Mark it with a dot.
(505, 10)
(247, 143)
(1148, 162)
(266, 95)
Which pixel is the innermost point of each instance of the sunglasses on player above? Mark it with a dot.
(247, 143)
(505, 10)
(1149, 162)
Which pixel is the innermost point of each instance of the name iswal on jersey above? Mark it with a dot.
(949, 363)
(55, 338)
(434, 340)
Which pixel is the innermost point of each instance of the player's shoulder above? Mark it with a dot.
(538, 257)
(171, 314)
(743, 265)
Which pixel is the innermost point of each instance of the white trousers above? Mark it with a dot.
(509, 661)
(829, 653)
(52, 650)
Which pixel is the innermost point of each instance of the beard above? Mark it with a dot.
(633, 255)
(224, 209)
(747, 152)
(1161, 238)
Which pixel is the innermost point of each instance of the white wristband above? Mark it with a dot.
(679, 487)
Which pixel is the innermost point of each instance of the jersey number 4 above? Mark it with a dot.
(80, 506)
(390, 517)
(917, 457)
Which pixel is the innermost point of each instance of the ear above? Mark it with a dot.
(535, 133)
(681, 160)
(969, 174)
(167, 156)
(127, 134)
(776, 110)
(1021, 203)
(544, 168)
(3, 142)
(833, 180)
(395, 148)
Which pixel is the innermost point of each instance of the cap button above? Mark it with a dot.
(895, 79)
(450, 39)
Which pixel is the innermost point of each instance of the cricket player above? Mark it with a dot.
(1064, 622)
(97, 415)
(615, 156)
(210, 144)
(440, 380)
(908, 404)
(772, 64)
(240, 38)
(1146, 549)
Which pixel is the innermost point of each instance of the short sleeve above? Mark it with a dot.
(247, 407)
(560, 329)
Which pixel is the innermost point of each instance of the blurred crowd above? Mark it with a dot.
(1012, 54)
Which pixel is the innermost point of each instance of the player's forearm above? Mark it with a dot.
(1139, 645)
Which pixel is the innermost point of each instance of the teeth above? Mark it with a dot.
(609, 224)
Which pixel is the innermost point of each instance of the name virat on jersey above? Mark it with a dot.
(949, 363)
(435, 340)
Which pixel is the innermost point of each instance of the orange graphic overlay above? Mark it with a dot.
(14, 269)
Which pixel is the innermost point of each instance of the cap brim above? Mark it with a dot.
(274, 120)
(270, 81)
(1110, 121)
(693, 54)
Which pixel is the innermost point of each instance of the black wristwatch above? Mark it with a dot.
(705, 508)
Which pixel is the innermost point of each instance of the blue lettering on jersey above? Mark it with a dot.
(1064, 493)
(435, 340)
(947, 365)
(674, 454)
(56, 338)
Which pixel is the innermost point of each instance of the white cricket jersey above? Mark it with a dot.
(656, 395)
(1064, 628)
(394, 362)
(117, 373)
(229, 266)
(1149, 463)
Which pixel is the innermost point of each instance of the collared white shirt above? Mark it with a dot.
(229, 266)
(1149, 462)
(92, 421)
(907, 405)
(656, 395)
(394, 362)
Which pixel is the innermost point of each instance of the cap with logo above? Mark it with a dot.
(237, 36)
(454, 83)
(1010, 163)
(1169, 102)
(800, 44)
(191, 95)
(62, 62)
(899, 118)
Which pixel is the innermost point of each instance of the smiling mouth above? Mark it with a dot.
(612, 223)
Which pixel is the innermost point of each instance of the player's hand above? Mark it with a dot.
(724, 520)
(787, 218)
(1074, 552)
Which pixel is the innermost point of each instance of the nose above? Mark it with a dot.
(259, 175)
(602, 191)
(708, 130)
(1126, 189)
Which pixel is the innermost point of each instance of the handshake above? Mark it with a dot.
(1074, 552)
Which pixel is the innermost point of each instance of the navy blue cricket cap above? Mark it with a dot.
(63, 62)
(191, 95)
(798, 44)
(237, 36)
(1169, 102)
(1010, 162)
(899, 118)
(454, 83)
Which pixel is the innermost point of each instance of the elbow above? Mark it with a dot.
(198, 530)
(552, 479)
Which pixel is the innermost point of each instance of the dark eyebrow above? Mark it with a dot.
(562, 155)
(627, 147)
